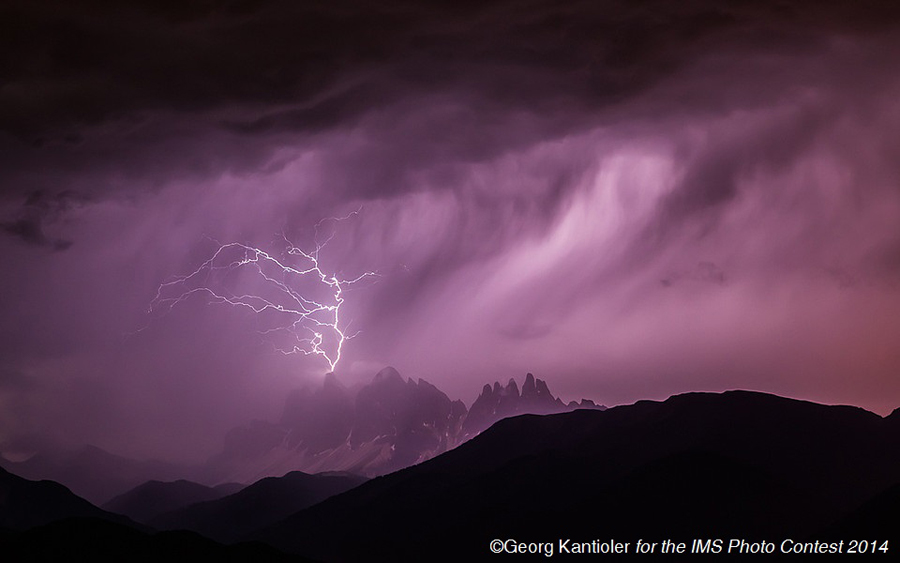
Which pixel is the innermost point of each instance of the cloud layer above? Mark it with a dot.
(630, 199)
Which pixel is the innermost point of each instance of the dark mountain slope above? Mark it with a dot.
(261, 504)
(154, 498)
(697, 464)
(876, 519)
(99, 541)
(95, 474)
(25, 504)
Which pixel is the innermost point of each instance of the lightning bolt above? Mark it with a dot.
(292, 293)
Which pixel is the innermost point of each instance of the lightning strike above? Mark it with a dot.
(292, 293)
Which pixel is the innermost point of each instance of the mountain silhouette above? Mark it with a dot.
(95, 474)
(736, 464)
(153, 498)
(496, 402)
(45, 521)
(701, 465)
(25, 504)
(386, 425)
(261, 504)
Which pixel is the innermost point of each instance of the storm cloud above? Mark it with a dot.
(629, 199)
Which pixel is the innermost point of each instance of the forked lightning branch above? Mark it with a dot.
(296, 302)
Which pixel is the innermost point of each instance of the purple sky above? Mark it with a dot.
(628, 199)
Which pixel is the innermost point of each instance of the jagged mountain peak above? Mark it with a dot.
(387, 424)
(529, 389)
(497, 401)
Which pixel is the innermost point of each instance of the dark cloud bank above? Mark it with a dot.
(629, 199)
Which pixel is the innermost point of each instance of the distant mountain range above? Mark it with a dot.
(44, 521)
(259, 505)
(95, 474)
(696, 466)
(731, 465)
(387, 425)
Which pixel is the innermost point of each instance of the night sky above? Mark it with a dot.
(629, 199)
